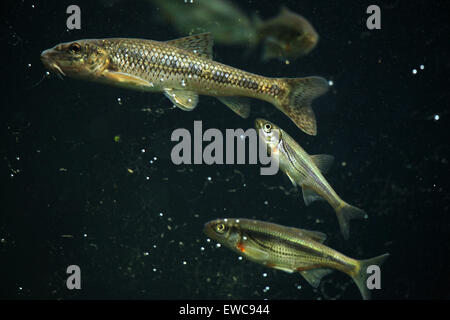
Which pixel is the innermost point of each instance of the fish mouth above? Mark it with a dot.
(50, 63)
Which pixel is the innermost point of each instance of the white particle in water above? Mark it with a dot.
(422, 67)
(184, 262)
(208, 240)
(85, 235)
(264, 274)
(142, 150)
(218, 245)
(266, 202)
(145, 253)
(330, 83)
(209, 178)
(436, 117)
(239, 258)
(161, 214)
(154, 269)
(202, 249)
(414, 71)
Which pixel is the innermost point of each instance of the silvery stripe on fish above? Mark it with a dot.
(305, 171)
(289, 249)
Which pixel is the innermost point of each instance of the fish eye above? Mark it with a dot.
(75, 47)
(267, 127)
(220, 228)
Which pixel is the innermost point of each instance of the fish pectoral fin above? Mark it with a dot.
(126, 78)
(254, 253)
(315, 276)
(285, 269)
(238, 104)
(323, 162)
(292, 179)
(310, 196)
(185, 100)
(200, 44)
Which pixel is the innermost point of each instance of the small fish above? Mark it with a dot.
(183, 69)
(287, 35)
(306, 171)
(289, 249)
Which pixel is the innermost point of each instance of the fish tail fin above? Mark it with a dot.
(362, 275)
(345, 213)
(297, 105)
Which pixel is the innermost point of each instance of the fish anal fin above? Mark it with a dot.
(126, 79)
(314, 276)
(239, 105)
(310, 195)
(323, 162)
(185, 100)
(200, 44)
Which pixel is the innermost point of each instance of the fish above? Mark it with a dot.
(306, 170)
(288, 35)
(224, 19)
(183, 69)
(289, 249)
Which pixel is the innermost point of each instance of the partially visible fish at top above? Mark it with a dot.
(288, 35)
(306, 171)
(183, 69)
(225, 20)
(289, 249)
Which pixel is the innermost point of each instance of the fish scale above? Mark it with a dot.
(154, 61)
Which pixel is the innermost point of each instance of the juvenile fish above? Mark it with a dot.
(183, 69)
(289, 249)
(305, 171)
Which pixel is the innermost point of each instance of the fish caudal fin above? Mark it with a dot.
(345, 213)
(297, 106)
(363, 273)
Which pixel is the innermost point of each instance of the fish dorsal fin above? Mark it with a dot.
(314, 276)
(323, 162)
(185, 100)
(238, 104)
(200, 44)
(310, 195)
(315, 235)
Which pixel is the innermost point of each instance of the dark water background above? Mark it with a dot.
(63, 174)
